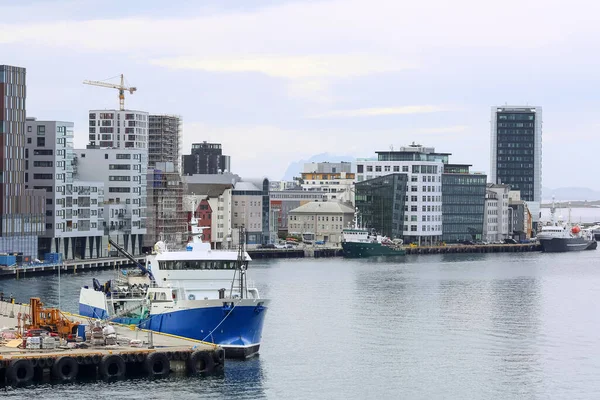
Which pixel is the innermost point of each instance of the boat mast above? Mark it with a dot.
(242, 260)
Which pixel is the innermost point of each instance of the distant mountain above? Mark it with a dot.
(570, 193)
(296, 167)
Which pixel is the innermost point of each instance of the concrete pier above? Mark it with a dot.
(133, 353)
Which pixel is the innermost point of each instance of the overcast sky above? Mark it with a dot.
(278, 81)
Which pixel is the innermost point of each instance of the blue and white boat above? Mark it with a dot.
(196, 293)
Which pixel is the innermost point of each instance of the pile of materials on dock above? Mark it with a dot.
(40, 344)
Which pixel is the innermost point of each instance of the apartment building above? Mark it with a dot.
(74, 208)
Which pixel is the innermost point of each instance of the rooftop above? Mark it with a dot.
(324, 207)
(247, 186)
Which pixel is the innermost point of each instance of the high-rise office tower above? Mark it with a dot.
(516, 152)
(21, 210)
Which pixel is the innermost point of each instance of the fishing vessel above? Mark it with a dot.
(558, 237)
(196, 293)
(358, 242)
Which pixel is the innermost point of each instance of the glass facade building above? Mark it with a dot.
(380, 202)
(516, 158)
(463, 204)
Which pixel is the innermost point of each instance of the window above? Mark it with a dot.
(41, 130)
(387, 168)
(359, 169)
(42, 176)
(117, 178)
(396, 168)
(413, 208)
(405, 168)
(29, 140)
(29, 128)
(119, 190)
(118, 166)
(41, 141)
(42, 164)
(123, 156)
(378, 168)
(413, 228)
(106, 157)
(369, 168)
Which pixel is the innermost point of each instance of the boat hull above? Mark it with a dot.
(361, 250)
(561, 245)
(237, 328)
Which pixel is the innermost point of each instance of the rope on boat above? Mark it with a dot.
(223, 320)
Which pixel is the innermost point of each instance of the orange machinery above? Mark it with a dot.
(50, 319)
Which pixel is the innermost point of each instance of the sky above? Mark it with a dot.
(277, 81)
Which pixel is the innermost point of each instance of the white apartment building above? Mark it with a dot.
(124, 174)
(119, 129)
(496, 213)
(336, 186)
(423, 199)
(74, 208)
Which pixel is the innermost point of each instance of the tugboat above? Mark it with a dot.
(558, 237)
(358, 242)
(195, 293)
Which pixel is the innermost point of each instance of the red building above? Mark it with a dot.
(204, 215)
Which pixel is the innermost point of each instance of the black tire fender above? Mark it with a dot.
(200, 362)
(157, 365)
(219, 356)
(65, 369)
(112, 367)
(20, 372)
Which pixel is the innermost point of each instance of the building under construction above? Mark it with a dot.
(167, 220)
(164, 140)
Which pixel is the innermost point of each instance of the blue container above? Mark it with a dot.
(53, 258)
(81, 331)
(6, 259)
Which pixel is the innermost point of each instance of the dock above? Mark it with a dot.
(131, 353)
(69, 266)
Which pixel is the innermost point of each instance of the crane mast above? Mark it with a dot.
(121, 88)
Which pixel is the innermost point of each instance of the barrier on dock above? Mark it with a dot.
(484, 248)
(17, 369)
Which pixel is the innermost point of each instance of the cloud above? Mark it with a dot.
(290, 67)
(373, 112)
(445, 129)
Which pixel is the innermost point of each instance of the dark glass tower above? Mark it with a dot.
(380, 202)
(206, 158)
(516, 158)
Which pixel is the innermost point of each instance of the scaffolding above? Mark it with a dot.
(167, 220)
(164, 140)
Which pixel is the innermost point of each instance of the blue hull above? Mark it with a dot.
(240, 327)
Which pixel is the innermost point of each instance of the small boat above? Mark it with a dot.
(195, 293)
(358, 242)
(559, 237)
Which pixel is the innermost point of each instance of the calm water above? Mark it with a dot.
(479, 326)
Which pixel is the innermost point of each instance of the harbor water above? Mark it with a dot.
(476, 326)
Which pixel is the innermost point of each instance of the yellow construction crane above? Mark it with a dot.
(122, 88)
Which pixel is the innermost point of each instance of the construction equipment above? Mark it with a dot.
(122, 88)
(50, 319)
(131, 258)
